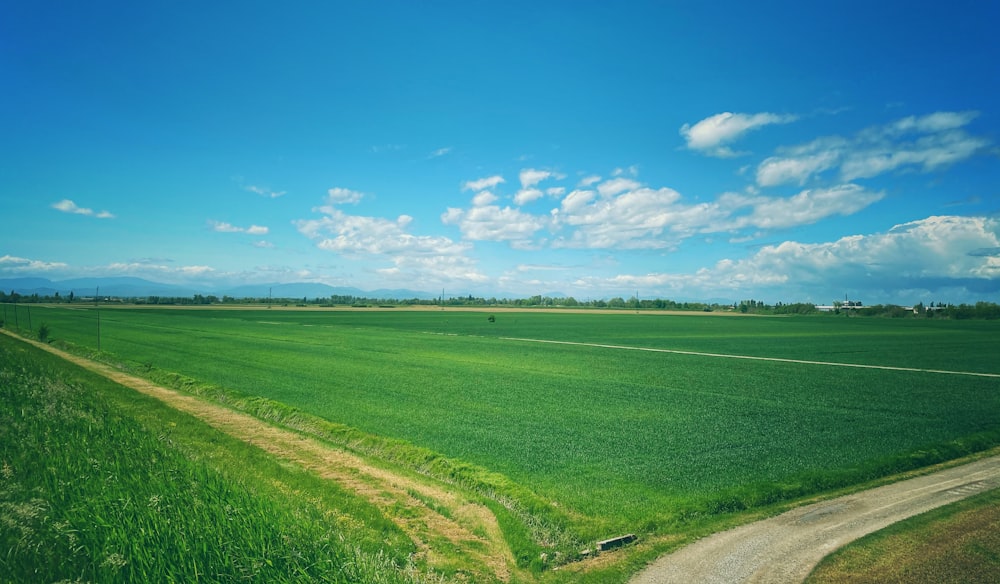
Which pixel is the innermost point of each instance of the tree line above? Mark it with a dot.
(979, 310)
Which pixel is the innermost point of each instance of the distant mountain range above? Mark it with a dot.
(127, 287)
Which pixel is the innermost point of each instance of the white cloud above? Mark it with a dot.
(615, 186)
(634, 219)
(622, 213)
(263, 244)
(530, 177)
(340, 196)
(775, 171)
(223, 227)
(576, 200)
(935, 122)
(416, 260)
(807, 207)
(632, 171)
(928, 153)
(195, 270)
(712, 134)
(525, 196)
(9, 263)
(359, 235)
(484, 198)
(925, 143)
(68, 206)
(919, 258)
(265, 192)
(923, 253)
(158, 271)
(440, 152)
(492, 223)
(588, 181)
(483, 183)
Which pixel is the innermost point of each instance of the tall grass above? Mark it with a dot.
(90, 494)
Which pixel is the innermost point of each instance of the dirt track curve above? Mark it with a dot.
(785, 549)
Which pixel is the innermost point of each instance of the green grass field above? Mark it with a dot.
(612, 440)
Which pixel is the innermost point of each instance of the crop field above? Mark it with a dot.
(604, 438)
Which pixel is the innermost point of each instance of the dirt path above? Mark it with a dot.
(470, 528)
(786, 548)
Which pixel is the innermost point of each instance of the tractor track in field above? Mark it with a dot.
(469, 526)
(753, 357)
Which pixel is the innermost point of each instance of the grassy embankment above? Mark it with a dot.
(575, 443)
(101, 484)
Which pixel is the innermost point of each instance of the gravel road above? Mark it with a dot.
(785, 549)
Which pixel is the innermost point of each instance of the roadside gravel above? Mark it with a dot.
(785, 549)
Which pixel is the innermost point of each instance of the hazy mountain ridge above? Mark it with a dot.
(129, 287)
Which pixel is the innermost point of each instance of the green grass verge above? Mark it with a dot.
(100, 484)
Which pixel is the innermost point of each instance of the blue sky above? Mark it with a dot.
(783, 151)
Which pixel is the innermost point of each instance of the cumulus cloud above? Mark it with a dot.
(493, 223)
(530, 177)
(919, 258)
(633, 219)
(777, 170)
(713, 134)
(576, 200)
(413, 258)
(68, 206)
(341, 196)
(804, 208)
(623, 213)
(14, 264)
(484, 198)
(924, 143)
(525, 196)
(617, 186)
(489, 182)
(919, 254)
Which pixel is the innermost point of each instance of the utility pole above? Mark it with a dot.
(97, 304)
